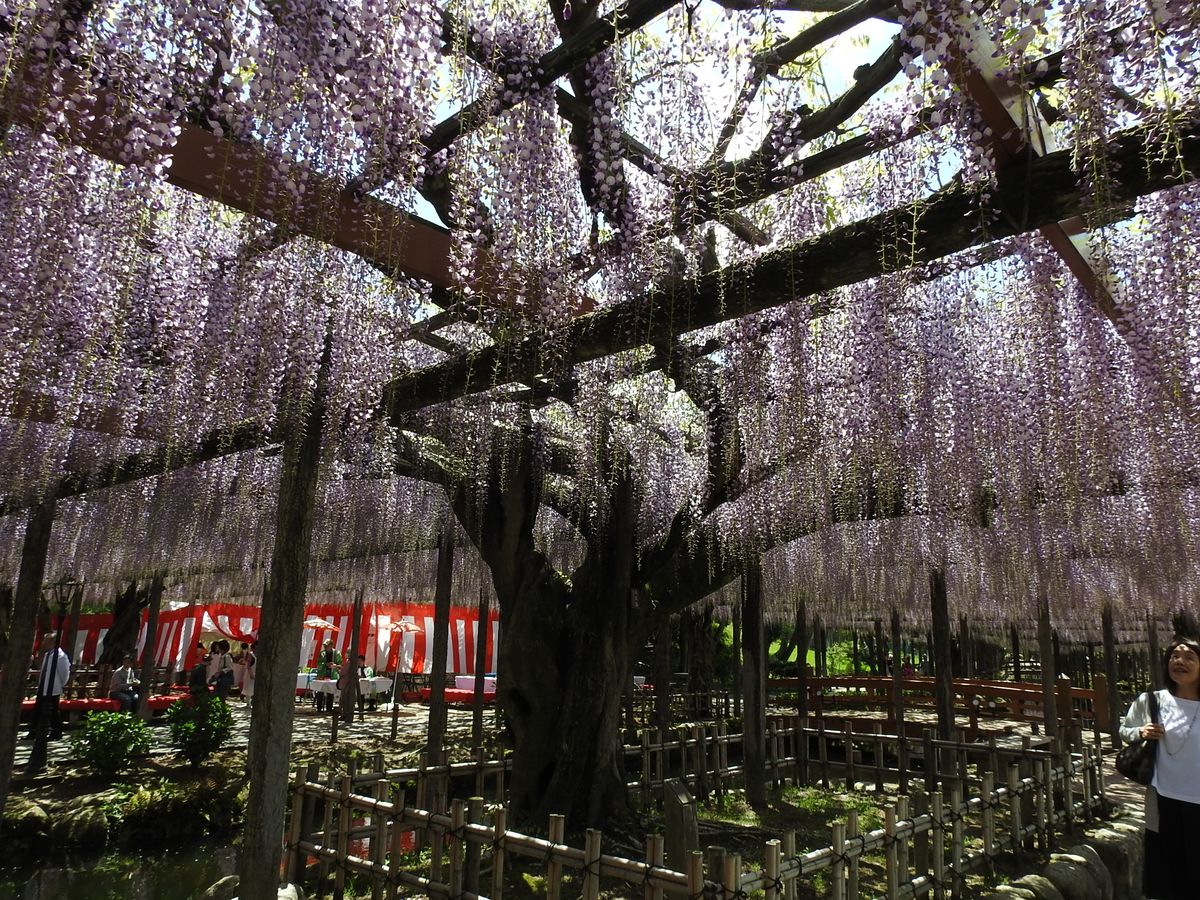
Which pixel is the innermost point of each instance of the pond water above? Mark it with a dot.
(122, 876)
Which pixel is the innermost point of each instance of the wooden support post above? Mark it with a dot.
(880, 650)
(295, 858)
(146, 674)
(343, 840)
(877, 752)
(902, 861)
(1155, 654)
(732, 882)
(848, 740)
(1111, 701)
(280, 631)
(1046, 652)
(695, 874)
(662, 674)
(441, 642)
(802, 658)
(897, 705)
(942, 663)
(754, 687)
(71, 636)
(347, 698)
(1016, 651)
(737, 654)
(482, 633)
(21, 637)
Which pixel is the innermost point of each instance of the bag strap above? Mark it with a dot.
(1153, 707)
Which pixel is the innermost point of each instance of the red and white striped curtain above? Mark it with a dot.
(385, 649)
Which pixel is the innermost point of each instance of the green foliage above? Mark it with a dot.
(110, 741)
(199, 727)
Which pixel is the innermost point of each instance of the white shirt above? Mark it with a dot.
(1177, 764)
(53, 675)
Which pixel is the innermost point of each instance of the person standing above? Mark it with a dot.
(125, 686)
(53, 675)
(222, 679)
(328, 666)
(1172, 867)
(249, 658)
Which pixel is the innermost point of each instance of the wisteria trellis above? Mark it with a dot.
(145, 314)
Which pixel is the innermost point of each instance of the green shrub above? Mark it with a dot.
(199, 727)
(110, 741)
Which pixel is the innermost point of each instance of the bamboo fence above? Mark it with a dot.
(362, 825)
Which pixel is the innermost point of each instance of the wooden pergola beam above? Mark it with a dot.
(248, 178)
(1028, 195)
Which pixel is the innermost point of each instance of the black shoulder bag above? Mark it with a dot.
(1136, 759)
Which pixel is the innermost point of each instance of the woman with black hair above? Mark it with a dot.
(1173, 797)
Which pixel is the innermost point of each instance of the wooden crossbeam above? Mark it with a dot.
(1043, 191)
(250, 179)
(1018, 128)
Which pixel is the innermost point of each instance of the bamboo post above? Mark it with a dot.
(654, 858)
(890, 851)
(849, 741)
(839, 865)
(458, 818)
(397, 847)
(295, 859)
(422, 798)
(499, 829)
(379, 848)
(920, 806)
(591, 865)
(343, 840)
(852, 867)
(802, 727)
(732, 881)
(789, 852)
(989, 819)
(719, 766)
(714, 864)
(902, 758)
(902, 846)
(481, 760)
(1014, 806)
(437, 844)
(472, 849)
(956, 838)
(877, 728)
(644, 780)
(931, 762)
(771, 869)
(558, 824)
(936, 814)
(823, 752)
(326, 828)
(695, 874)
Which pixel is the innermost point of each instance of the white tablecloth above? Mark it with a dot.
(467, 683)
(368, 687)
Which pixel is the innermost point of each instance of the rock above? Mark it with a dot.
(1121, 849)
(1073, 877)
(1039, 886)
(25, 819)
(1011, 892)
(83, 828)
(225, 889)
(682, 826)
(1097, 867)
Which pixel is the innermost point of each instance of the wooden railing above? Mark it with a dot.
(1078, 710)
(367, 829)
